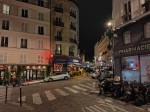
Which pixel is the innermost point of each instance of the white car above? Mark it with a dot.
(57, 76)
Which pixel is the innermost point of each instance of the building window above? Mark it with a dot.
(40, 16)
(40, 59)
(23, 43)
(4, 42)
(147, 30)
(24, 13)
(40, 44)
(58, 48)
(24, 27)
(127, 11)
(6, 9)
(40, 3)
(23, 58)
(41, 30)
(5, 24)
(127, 37)
(3, 58)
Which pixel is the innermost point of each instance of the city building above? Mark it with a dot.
(102, 52)
(64, 33)
(24, 39)
(131, 22)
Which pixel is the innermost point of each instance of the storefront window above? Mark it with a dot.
(130, 69)
(145, 68)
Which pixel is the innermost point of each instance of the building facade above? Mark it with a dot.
(102, 53)
(132, 44)
(64, 33)
(24, 39)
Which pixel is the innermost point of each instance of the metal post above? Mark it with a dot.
(20, 97)
(6, 93)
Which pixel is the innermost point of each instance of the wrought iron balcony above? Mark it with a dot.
(73, 14)
(73, 41)
(36, 2)
(74, 1)
(58, 23)
(58, 9)
(73, 27)
(71, 53)
(58, 38)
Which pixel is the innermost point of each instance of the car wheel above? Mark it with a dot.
(50, 80)
(65, 77)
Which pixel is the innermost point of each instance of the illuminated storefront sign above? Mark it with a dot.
(135, 49)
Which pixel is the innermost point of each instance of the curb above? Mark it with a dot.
(34, 82)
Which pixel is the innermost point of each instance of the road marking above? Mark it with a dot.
(95, 109)
(85, 86)
(77, 87)
(49, 95)
(36, 99)
(90, 84)
(23, 98)
(108, 100)
(72, 90)
(100, 108)
(139, 108)
(89, 109)
(63, 93)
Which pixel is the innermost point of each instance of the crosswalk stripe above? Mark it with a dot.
(77, 87)
(89, 109)
(90, 84)
(100, 108)
(36, 99)
(63, 93)
(23, 98)
(95, 109)
(86, 86)
(49, 95)
(72, 90)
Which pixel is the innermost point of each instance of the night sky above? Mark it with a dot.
(93, 16)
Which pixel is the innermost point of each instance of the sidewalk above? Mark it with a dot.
(15, 107)
(32, 82)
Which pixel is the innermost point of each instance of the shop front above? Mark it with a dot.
(133, 63)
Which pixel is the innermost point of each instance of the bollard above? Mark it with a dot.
(6, 93)
(20, 97)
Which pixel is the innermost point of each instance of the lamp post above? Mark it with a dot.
(110, 47)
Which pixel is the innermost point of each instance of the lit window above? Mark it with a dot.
(58, 48)
(6, 9)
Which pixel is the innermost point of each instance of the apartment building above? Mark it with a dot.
(64, 33)
(24, 38)
(102, 52)
(132, 44)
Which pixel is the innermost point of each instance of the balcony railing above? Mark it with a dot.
(73, 27)
(58, 23)
(36, 2)
(74, 1)
(58, 38)
(73, 41)
(71, 53)
(58, 9)
(73, 15)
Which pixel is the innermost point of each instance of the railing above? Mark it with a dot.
(58, 38)
(58, 23)
(36, 2)
(58, 9)
(73, 40)
(73, 15)
(74, 1)
(73, 27)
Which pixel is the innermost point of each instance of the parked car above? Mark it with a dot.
(57, 76)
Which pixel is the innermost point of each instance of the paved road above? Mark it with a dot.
(3, 93)
(68, 96)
